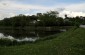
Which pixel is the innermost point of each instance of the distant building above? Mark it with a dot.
(66, 19)
(81, 17)
(83, 26)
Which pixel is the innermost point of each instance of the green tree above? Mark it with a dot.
(49, 18)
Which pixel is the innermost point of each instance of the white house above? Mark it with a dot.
(83, 26)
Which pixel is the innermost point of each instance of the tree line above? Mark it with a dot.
(50, 18)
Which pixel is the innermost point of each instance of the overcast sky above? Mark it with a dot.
(72, 8)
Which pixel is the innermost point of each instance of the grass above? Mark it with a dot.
(71, 42)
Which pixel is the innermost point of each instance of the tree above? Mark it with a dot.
(49, 18)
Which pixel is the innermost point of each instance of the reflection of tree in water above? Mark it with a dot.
(18, 33)
(47, 33)
(21, 33)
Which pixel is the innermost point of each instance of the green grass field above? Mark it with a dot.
(71, 42)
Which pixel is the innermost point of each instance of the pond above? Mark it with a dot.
(25, 35)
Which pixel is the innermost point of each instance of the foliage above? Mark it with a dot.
(50, 18)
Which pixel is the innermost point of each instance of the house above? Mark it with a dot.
(83, 26)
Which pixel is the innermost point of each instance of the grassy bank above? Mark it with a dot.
(71, 42)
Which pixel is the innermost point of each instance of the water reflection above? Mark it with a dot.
(18, 39)
(25, 35)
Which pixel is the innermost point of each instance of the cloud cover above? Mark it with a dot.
(74, 10)
(10, 8)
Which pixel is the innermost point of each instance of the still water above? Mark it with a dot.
(25, 35)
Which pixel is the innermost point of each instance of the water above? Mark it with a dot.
(25, 35)
(18, 39)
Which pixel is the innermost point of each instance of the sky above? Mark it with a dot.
(72, 8)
